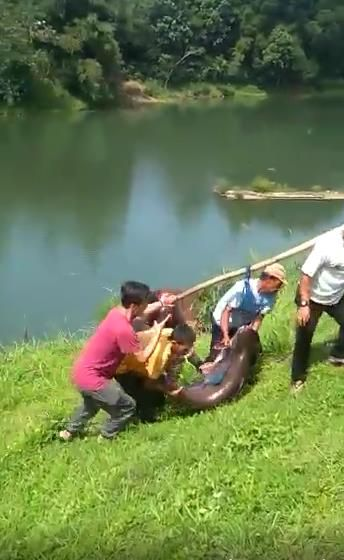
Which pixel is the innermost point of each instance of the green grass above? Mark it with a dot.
(261, 478)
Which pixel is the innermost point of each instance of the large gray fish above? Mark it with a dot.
(235, 364)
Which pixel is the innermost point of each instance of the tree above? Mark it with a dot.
(82, 48)
(283, 59)
(21, 64)
(325, 39)
(79, 37)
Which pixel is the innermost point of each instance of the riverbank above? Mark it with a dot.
(155, 92)
(134, 94)
(261, 478)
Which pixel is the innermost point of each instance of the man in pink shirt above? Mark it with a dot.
(94, 370)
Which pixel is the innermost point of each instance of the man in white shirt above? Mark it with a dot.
(245, 304)
(321, 289)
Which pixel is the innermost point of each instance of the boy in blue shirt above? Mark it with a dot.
(245, 304)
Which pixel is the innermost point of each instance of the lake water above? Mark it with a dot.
(90, 200)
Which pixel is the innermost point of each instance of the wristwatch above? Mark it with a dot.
(304, 303)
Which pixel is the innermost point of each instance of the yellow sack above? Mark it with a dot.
(156, 364)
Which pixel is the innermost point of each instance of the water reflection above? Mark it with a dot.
(66, 181)
(290, 217)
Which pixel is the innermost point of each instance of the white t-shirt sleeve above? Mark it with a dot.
(233, 297)
(315, 260)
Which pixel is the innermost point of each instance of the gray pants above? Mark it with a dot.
(111, 398)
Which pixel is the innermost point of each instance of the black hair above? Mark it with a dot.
(183, 334)
(134, 293)
(152, 297)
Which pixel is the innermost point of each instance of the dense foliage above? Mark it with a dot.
(51, 49)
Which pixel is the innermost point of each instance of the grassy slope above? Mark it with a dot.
(261, 478)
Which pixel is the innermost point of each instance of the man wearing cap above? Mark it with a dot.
(321, 289)
(245, 305)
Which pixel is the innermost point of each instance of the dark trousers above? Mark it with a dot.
(304, 336)
(148, 402)
(216, 338)
(111, 398)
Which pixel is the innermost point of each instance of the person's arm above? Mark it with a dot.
(257, 323)
(152, 309)
(305, 288)
(311, 266)
(144, 355)
(129, 343)
(230, 301)
(224, 324)
(166, 301)
(163, 385)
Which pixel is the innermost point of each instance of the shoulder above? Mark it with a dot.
(327, 240)
(323, 248)
(238, 286)
(234, 289)
(115, 315)
(166, 334)
(117, 321)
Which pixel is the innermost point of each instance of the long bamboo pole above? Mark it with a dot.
(257, 266)
(297, 196)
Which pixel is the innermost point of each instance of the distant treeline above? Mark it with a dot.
(55, 50)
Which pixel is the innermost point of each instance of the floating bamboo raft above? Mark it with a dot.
(243, 194)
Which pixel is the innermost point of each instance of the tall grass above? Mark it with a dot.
(261, 478)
